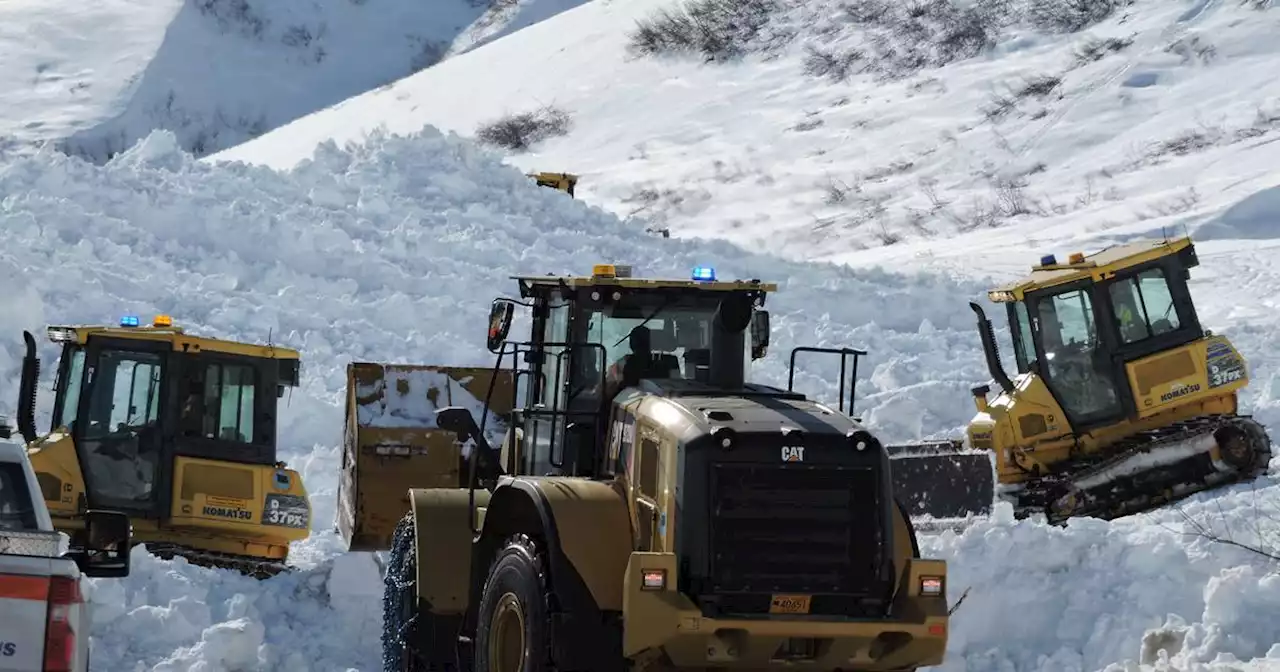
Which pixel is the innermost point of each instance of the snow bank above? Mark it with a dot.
(389, 251)
(1169, 590)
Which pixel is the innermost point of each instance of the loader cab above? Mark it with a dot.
(1076, 325)
(591, 338)
(134, 397)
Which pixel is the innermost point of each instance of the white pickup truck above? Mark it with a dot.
(44, 620)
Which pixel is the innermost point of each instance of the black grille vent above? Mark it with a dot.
(795, 528)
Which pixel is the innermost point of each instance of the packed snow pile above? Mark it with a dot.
(834, 128)
(1180, 589)
(389, 251)
(218, 72)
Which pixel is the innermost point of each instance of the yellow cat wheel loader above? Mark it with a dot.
(175, 430)
(1122, 402)
(565, 182)
(646, 507)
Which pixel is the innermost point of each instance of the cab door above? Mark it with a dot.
(121, 424)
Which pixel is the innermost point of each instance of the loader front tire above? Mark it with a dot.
(513, 628)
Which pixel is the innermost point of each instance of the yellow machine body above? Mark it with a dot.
(565, 182)
(178, 432)
(640, 508)
(1122, 401)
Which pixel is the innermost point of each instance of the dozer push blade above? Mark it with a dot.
(942, 484)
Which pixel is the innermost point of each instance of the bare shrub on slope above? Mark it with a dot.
(519, 132)
(717, 29)
(841, 38)
(1070, 16)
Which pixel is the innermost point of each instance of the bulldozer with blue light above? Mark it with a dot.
(177, 431)
(1122, 401)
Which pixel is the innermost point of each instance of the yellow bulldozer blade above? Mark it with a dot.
(392, 444)
(942, 484)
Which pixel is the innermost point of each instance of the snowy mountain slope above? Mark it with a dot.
(217, 72)
(358, 253)
(57, 78)
(1123, 120)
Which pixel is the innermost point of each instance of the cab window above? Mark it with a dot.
(1143, 306)
(220, 403)
(1075, 360)
(125, 393)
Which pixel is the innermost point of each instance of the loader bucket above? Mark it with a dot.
(391, 442)
(942, 480)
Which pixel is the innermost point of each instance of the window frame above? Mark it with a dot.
(162, 479)
(217, 412)
(1133, 283)
(261, 447)
(65, 381)
(1106, 342)
(1189, 328)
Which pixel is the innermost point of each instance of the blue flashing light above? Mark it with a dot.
(1048, 260)
(704, 274)
(129, 321)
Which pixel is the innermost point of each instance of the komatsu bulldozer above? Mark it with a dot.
(175, 430)
(614, 494)
(1122, 402)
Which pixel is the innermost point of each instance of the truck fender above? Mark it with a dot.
(442, 519)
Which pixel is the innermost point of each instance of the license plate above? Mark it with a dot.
(789, 604)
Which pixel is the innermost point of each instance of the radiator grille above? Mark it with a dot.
(795, 528)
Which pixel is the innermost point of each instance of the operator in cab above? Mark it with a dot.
(641, 362)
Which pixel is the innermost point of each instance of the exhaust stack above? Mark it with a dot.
(27, 390)
(989, 349)
(728, 346)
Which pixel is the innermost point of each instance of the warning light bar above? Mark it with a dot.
(129, 321)
(704, 274)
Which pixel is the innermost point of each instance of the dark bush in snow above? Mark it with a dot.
(717, 29)
(520, 131)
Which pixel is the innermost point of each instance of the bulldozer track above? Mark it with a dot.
(1152, 488)
(257, 568)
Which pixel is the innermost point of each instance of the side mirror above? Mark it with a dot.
(6, 431)
(108, 540)
(760, 334)
(500, 314)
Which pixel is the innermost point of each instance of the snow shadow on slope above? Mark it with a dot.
(1254, 217)
(230, 70)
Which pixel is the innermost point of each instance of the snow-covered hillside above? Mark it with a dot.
(217, 72)
(1129, 121)
(391, 248)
